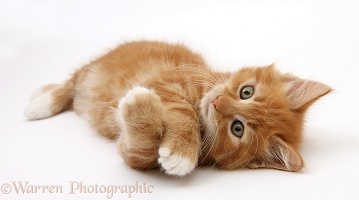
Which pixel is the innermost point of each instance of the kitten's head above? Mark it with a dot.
(255, 118)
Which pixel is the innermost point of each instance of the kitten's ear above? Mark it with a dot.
(280, 155)
(300, 92)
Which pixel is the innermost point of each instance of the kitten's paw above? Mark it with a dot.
(39, 106)
(131, 96)
(174, 164)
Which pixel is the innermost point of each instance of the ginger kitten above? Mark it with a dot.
(168, 110)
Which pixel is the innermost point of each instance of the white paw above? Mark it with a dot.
(131, 96)
(39, 106)
(173, 164)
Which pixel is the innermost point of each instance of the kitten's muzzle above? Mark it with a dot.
(215, 102)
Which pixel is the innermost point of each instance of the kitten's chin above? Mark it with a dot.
(206, 107)
(209, 118)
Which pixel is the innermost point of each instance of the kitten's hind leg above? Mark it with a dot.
(141, 120)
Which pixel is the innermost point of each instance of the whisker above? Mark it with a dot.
(245, 153)
(253, 154)
(198, 70)
(213, 130)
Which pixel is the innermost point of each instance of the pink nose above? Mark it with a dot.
(214, 103)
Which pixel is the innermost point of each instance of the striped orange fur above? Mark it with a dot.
(167, 109)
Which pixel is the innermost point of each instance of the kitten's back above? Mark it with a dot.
(94, 90)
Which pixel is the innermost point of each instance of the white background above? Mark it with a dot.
(45, 41)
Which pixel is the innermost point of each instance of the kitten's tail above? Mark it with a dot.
(52, 99)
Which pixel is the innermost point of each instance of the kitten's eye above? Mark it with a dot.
(237, 128)
(247, 92)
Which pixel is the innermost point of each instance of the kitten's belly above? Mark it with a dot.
(100, 87)
(92, 92)
(84, 95)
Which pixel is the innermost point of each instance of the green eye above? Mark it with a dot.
(247, 92)
(237, 128)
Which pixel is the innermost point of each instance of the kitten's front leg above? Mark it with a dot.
(180, 147)
(140, 117)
